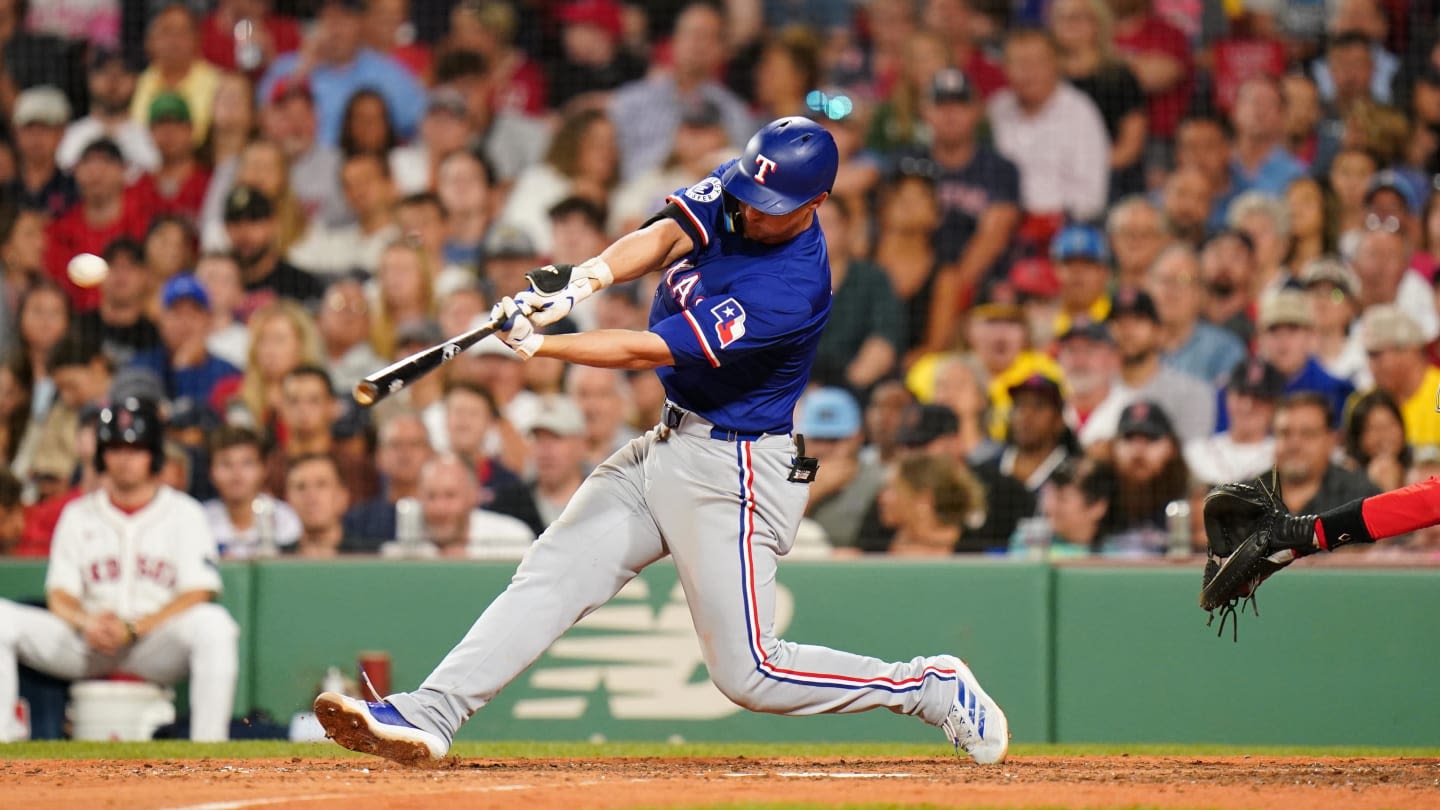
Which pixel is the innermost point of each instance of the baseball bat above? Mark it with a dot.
(401, 373)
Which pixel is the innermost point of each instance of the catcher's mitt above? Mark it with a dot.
(1250, 536)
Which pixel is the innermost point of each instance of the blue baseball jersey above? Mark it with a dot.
(742, 319)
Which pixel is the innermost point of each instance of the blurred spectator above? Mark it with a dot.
(1392, 204)
(890, 23)
(365, 127)
(344, 324)
(307, 411)
(857, 179)
(863, 338)
(491, 365)
(443, 130)
(1334, 299)
(959, 384)
(1286, 339)
(1073, 505)
(577, 228)
(37, 123)
(604, 397)
(1350, 174)
(1082, 266)
(22, 260)
(1037, 289)
(1084, 30)
(581, 161)
(103, 213)
(1261, 161)
(454, 526)
(1310, 482)
(1091, 363)
(237, 469)
(896, 123)
(1312, 222)
(1185, 201)
(1266, 220)
(488, 27)
(998, 340)
(219, 274)
(12, 513)
(1037, 440)
(787, 68)
(978, 193)
(43, 321)
(1160, 57)
(246, 36)
(169, 247)
(404, 291)
(1052, 132)
(830, 421)
(1395, 346)
(909, 221)
(646, 113)
(252, 228)
(458, 309)
(389, 31)
(290, 120)
(313, 487)
(370, 193)
(236, 123)
(1227, 268)
(32, 57)
(111, 83)
(592, 54)
(470, 422)
(14, 416)
(1203, 144)
(1245, 449)
(423, 221)
(1381, 265)
(929, 502)
(509, 140)
(1137, 232)
(509, 254)
(178, 185)
(183, 361)
(1150, 473)
(336, 63)
(463, 185)
(1302, 116)
(1356, 27)
(557, 439)
(958, 25)
(1375, 441)
(1135, 324)
(1188, 344)
(82, 374)
(175, 64)
(283, 337)
(121, 322)
(700, 138)
(402, 449)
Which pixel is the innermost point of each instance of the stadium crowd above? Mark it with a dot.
(1090, 257)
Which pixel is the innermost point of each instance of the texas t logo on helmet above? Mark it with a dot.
(766, 166)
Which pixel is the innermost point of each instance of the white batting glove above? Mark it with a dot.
(518, 332)
(545, 308)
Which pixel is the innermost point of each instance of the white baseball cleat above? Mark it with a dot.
(377, 728)
(976, 724)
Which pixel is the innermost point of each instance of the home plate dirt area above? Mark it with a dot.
(1221, 783)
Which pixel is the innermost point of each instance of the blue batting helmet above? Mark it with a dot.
(788, 163)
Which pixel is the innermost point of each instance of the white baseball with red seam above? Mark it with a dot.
(87, 269)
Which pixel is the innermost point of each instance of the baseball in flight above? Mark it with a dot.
(87, 269)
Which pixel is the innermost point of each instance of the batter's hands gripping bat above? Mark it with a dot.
(401, 373)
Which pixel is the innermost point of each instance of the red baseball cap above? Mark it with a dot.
(287, 86)
(1035, 277)
(603, 14)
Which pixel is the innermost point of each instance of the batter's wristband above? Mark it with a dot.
(597, 269)
(1342, 526)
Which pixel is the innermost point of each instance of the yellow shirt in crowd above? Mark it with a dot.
(1422, 424)
(197, 88)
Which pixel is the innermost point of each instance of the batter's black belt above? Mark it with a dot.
(673, 416)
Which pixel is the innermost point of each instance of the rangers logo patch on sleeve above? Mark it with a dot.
(729, 321)
(707, 190)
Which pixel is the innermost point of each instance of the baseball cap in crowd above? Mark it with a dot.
(44, 105)
(1144, 418)
(183, 287)
(169, 106)
(1391, 180)
(1086, 329)
(603, 14)
(1035, 278)
(924, 424)
(1130, 301)
(997, 311)
(1286, 308)
(1386, 326)
(1330, 270)
(447, 100)
(1256, 378)
(287, 86)
(1042, 385)
(247, 204)
(1080, 243)
(509, 242)
(828, 413)
(102, 147)
(950, 84)
(558, 415)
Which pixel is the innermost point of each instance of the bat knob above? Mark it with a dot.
(366, 393)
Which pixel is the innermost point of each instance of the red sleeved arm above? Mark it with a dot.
(1393, 513)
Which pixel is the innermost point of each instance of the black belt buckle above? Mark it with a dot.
(803, 468)
(672, 416)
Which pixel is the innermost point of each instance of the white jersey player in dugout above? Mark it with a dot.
(132, 575)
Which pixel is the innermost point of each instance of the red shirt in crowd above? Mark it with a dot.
(982, 70)
(40, 521)
(217, 40)
(71, 234)
(185, 200)
(1154, 35)
(523, 91)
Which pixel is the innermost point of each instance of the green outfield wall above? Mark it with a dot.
(1075, 654)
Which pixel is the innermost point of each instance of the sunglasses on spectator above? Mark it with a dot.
(1388, 224)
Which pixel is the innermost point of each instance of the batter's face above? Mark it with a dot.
(771, 229)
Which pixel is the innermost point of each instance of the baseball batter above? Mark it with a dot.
(720, 485)
(129, 586)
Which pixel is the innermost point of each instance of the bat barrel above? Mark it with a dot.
(366, 393)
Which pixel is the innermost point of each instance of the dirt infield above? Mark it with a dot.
(1072, 782)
